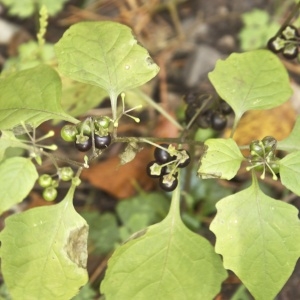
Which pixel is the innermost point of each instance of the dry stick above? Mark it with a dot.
(100, 269)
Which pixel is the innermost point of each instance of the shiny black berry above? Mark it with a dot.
(191, 98)
(154, 169)
(84, 146)
(102, 142)
(168, 183)
(290, 32)
(225, 108)
(185, 160)
(163, 156)
(290, 52)
(218, 121)
(204, 119)
(276, 44)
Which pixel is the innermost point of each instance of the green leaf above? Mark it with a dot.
(31, 96)
(4, 294)
(167, 262)
(292, 142)
(7, 140)
(141, 211)
(154, 205)
(289, 169)
(257, 30)
(104, 54)
(103, 231)
(86, 293)
(258, 238)
(243, 80)
(44, 252)
(27, 8)
(17, 177)
(30, 55)
(78, 98)
(221, 159)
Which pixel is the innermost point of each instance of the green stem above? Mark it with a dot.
(154, 141)
(236, 121)
(159, 109)
(174, 211)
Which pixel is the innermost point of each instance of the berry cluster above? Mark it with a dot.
(50, 185)
(263, 156)
(287, 42)
(165, 166)
(85, 133)
(209, 114)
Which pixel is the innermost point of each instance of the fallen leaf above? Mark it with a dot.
(121, 181)
(256, 124)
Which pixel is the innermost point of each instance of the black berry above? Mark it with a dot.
(84, 146)
(183, 163)
(225, 108)
(290, 52)
(163, 156)
(218, 121)
(168, 183)
(102, 142)
(276, 44)
(154, 170)
(204, 119)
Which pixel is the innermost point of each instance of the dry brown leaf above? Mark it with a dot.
(121, 181)
(255, 125)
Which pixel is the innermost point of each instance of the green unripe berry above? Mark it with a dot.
(102, 122)
(45, 180)
(84, 128)
(68, 133)
(256, 148)
(270, 144)
(258, 163)
(50, 193)
(66, 173)
(274, 165)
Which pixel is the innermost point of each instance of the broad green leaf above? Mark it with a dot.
(241, 294)
(103, 231)
(290, 171)
(4, 294)
(221, 159)
(86, 293)
(292, 142)
(141, 211)
(17, 178)
(259, 240)
(167, 262)
(257, 30)
(251, 80)
(27, 8)
(7, 139)
(78, 98)
(30, 55)
(104, 54)
(31, 96)
(154, 205)
(49, 247)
